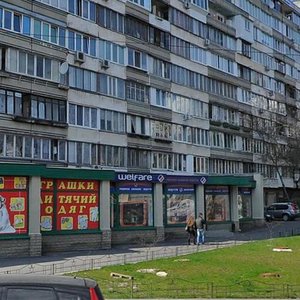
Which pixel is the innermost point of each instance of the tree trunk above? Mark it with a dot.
(283, 185)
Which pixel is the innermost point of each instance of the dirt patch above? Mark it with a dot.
(268, 275)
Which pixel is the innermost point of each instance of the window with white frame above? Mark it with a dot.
(112, 121)
(180, 47)
(11, 102)
(198, 108)
(168, 161)
(182, 133)
(83, 116)
(110, 19)
(160, 98)
(138, 158)
(112, 156)
(82, 153)
(201, 164)
(83, 8)
(33, 65)
(179, 161)
(247, 144)
(222, 63)
(138, 125)
(162, 161)
(111, 51)
(161, 130)
(137, 59)
(230, 141)
(161, 68)
(198, 54)
(144, 3)
(201, 3)
(200, 136)
(111, 86)
(217, 139)
(26, 147)
(137, 91)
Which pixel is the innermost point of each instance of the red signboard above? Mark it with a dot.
(13, 205)
(73, 203)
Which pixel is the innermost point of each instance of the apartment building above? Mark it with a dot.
(118, 119)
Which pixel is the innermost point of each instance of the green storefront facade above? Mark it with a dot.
(50, 209)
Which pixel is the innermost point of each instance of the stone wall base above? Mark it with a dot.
(35, 243)
(15, 248)
(134, 237)
(160, 234)
(106, 239)
(72, 242)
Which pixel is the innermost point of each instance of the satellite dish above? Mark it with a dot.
(63, 68)
(271, 4)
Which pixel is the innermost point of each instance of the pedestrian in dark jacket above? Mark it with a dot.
(191, 230)
(200, 225)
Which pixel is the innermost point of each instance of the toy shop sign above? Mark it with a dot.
(69, 204)
(13, 205)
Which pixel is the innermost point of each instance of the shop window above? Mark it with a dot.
(74, 204)
(244, 203)
(133, 213)
(180, 204)
(217, 204)
(13, 205)
(135, 206)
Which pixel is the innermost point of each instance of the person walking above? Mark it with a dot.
(200, 225)
(191, 229)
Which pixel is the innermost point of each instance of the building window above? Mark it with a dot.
(138, 125)
(137, 92)
(33, 65)
(138, 158)
(246, 49)
(137, 59)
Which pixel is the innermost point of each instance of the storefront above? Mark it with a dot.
(230, 203)
(62, 209)
(53, 209)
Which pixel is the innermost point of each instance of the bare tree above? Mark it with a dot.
(281, 145)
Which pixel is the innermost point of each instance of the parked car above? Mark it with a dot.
(37, 287)
(285, 211)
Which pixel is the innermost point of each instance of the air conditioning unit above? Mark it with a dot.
(187, 4)
(80, 57)
(104, 64)
(267, 68)
(207, 42)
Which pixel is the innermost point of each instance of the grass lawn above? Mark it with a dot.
(248, 270)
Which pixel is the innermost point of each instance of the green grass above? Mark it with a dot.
(228, 272)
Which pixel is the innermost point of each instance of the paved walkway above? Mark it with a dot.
(60, 263)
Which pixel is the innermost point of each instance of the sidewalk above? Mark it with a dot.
(60, 263)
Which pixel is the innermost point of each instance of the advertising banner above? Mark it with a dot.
(74, 204)
(13, 205)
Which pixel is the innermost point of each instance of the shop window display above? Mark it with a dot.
(179, 206)
(69, 205)
(244, 203)
(135, 210)
(13, 205)
(217, 204)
